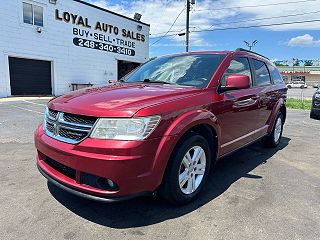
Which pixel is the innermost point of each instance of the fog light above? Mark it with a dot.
(111, 184)
(98, 182)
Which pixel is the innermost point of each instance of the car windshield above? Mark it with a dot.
(195, 70)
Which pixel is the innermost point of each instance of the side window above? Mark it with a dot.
(237, 66)
(261, 73)
(38, 15)
(27, 13)
(276, 76)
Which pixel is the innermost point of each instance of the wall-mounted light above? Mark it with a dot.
(39, 30)
(137, 16)
(53, 1)
(139, 27)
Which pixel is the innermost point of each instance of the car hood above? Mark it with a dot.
(119, 100)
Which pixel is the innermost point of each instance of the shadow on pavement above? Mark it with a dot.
(146, 211)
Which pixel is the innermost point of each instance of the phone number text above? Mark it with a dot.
(80, 42)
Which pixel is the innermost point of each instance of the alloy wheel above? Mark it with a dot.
(277, 130)
(192, 169)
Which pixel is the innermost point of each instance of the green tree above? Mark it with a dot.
(308, 63)
(296, 62)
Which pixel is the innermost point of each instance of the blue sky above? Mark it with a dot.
(277, 42)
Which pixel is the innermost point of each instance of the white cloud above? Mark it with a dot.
(160, 14)
(304, 41)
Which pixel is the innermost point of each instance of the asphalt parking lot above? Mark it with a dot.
(301, 93)
(255, 193)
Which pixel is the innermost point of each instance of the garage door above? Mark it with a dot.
(30, 77)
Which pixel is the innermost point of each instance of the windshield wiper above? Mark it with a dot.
(147, 80)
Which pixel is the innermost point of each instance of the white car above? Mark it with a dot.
(297, 85)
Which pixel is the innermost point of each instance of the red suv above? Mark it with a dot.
(162, 127)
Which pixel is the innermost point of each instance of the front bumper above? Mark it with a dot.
(316, 107)
(86, 195)
(316, 111)
(129, 164)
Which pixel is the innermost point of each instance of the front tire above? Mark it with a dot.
(274, 138)
(313, 115)
(187, 170)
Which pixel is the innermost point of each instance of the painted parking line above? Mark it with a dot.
(39, 104)
(25, 109)
(17, 99)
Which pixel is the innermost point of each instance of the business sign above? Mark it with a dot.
(100, 35)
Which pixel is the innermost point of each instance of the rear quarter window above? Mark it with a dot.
(275, 74)
(262, 76)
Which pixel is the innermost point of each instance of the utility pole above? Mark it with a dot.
(189, 2)
(187, 25)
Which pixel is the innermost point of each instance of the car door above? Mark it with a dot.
(237, 111)
(266, 92)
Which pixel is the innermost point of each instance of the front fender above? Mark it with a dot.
(175, 131)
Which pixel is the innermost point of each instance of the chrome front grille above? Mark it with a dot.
(52, 113)
(66, 127)
(79, 119)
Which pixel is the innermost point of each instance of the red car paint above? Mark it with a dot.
(237, 117)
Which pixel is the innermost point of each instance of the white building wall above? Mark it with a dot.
(71, 64)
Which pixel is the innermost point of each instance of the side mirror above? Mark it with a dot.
(236, 81)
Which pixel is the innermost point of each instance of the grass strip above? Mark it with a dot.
(295, 103)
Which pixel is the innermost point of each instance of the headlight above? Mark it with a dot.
(125, 128)
(44, 119)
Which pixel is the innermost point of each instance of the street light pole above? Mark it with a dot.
(251, 45)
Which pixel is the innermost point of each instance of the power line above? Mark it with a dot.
(254, 6)
(259, 19)
(255, 26)
(174, 22)
(176, 31)
(239, 21)
(245, 27)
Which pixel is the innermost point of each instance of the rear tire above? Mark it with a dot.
(273, 139)
(185, 174)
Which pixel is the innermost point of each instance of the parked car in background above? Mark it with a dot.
(297, 84)
(162, 127)
(315, 109)
(316, 85)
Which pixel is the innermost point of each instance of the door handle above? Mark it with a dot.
(244, 103)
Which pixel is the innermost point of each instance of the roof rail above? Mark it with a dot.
(245, 50)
